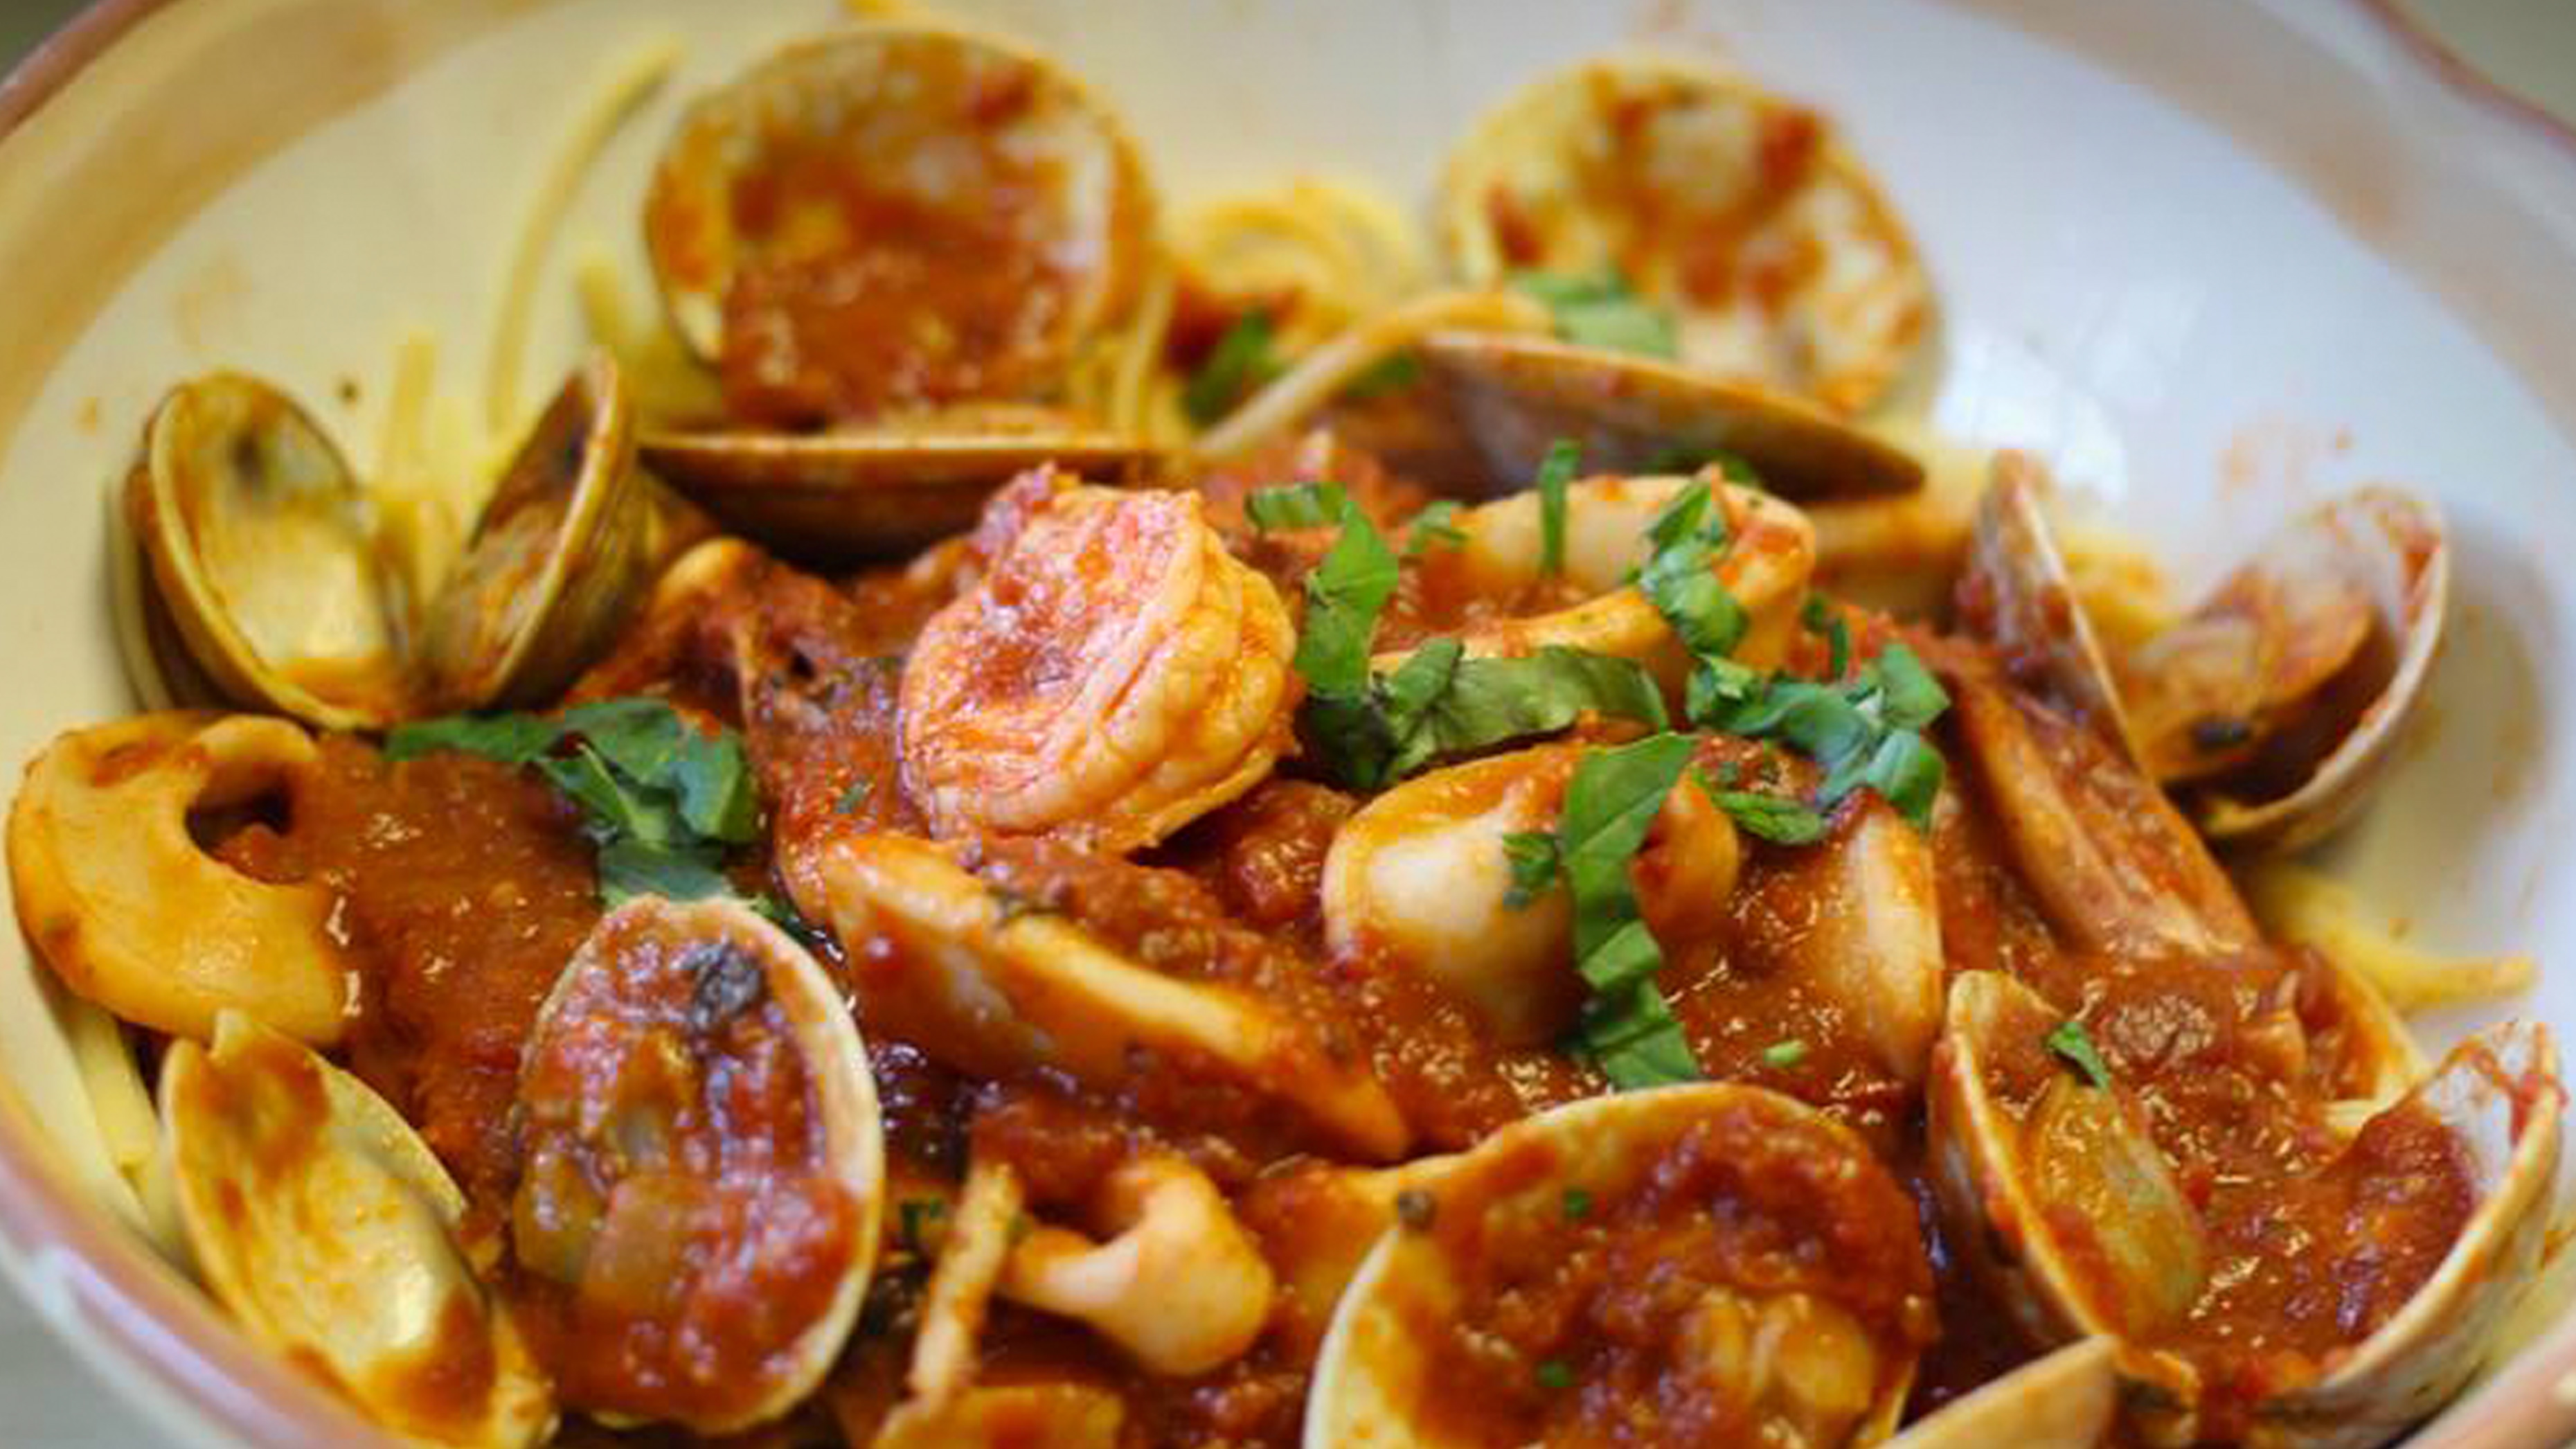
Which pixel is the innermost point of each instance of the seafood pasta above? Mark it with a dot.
(1039, 819)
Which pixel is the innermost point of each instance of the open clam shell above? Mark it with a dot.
(2059, 1195)
(319, 1219)
(2061, 1400)
(1789, 1260)
(834, 499)
(700, 1133)
(1738, 210)
(893, 216)
(262, 549)
(2018, 596)
(559, 556)
(1515, 395)
(2298, 675)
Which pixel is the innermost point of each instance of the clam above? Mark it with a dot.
(2057, 1192)
(1740, 212)
(131, 912)
(263, 550)
(2276, 705)
(558, 557)
(700, 1135)
(320, 1220)
(1514, 395)
(276, 574)
(2060, 1400)
(1745, 1264)
(847, 496)
(893, 242)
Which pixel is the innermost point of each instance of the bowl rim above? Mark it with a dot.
(157, 1331)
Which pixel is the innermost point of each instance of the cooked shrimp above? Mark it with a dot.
(1114, 676)
(1182, 1287)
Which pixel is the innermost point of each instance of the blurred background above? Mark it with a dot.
(48, 1401)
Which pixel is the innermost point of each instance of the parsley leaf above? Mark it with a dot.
(1599, 309)
(2072, 1044)
(1627, 1026)
(1241, 361)
(1564, 459)
(660, 799)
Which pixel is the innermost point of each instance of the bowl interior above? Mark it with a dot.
(2254, 254)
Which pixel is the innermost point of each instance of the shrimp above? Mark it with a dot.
(1115, 675)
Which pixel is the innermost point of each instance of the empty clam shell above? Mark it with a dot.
(1738, 210)
(263, 551)
(2286, 692)
(1792, 1256)
(893, 216)
(559, 556)
(319, 1219)
(700, 1134)
(840, 498)
(1515, 395)
(2061, 1197)
(2017, 596)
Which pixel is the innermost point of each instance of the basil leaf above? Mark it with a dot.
(2075, 1047)
(1241, 361)
(1907, 773)
(512, 739)
(1564, 458)
(1822, 618)
(1784, 1053)
(1438, 703)
(1911, 697)
(1693, 457)
(1774, 818)
(1297, 505)
(1434, 525)
(1600, 310)
(1637, 1040)
(1344, 596)
(617, 810)
(1392, 373)
(629, 868)
(1407, 695)
(1534, 863)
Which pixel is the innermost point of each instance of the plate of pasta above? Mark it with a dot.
(1289, 725)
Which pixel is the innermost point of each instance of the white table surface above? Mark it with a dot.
(49, 1400)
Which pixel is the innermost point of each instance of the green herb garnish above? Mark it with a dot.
(1775, 818)
(1555, 1373)
(2075, 1046)
(855, 796)
(1534, 863)
(1824, 620)
(1434, 524)
(1784, 1054)
(1578, 1204)
(1241, 361)
(1600, 309)
(1555, 472)
(1627, 1026)
(1392, 373)
(920, 1216)
(662, 801)
(1865, 731)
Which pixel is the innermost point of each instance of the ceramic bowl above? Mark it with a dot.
(2210, 258)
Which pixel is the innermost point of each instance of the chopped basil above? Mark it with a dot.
(1784, 1054)
(1680, 580)
(1435, 524)
(2072, 1044)
(1534, 863)
(1774, 818)
(1392, 373)
(1627, 1026)
(1865, 731)
(661, 800)
(854, 797)
(1297, 505)
(1555, 472)
(1690, 458)
(1344, 593)
(1578, 1204)
(1822, 618)
(1599, 309)
(1241, 361)
(1555, 1373)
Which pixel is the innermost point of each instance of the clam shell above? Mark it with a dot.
(842, 498)
(2060, 1400)
(2396, 548)
(2498, 1096)
(1369, 1383)
(319, 1219)
(2017, 596)
(1735, 208)
(559, 557)
(1515, 395)
(906, 126)
(262, 549)
(670, 996)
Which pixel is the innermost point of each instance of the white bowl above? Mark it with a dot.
(2212, 258)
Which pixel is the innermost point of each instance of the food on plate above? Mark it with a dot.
(1247, 829)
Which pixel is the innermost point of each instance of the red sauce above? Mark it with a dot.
(678, 1227)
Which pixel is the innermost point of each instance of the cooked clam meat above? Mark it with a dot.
(1115, 674)
(703, 1170)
